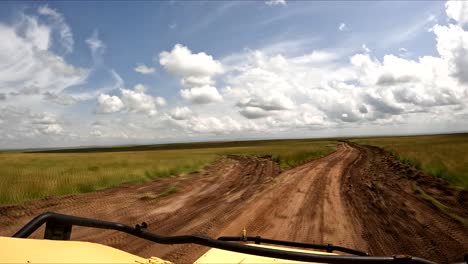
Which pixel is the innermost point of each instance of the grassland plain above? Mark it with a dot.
(33, 175)
(444, 156)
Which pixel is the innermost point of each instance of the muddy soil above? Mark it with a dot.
(383, 194)
(358, 197)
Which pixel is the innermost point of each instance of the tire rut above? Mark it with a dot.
(379, 190)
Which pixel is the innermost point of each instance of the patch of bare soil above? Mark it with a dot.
(383, 194)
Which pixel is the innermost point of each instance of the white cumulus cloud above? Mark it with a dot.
(109, 104)
(275, 2)
(214, 125)
(160, 101)
(252, 112)
(134, 100)
(365, 90)
(452, 45)
(201, 94)
(143, 69)
(22, 124)
(182, 62)
(181, 113)
(196, 71)
(138, 101)
(257, 107)
(365, 48)
(26, 61)
(342, 27)
(457, 10)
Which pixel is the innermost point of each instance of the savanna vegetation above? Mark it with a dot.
(34, 175)
(444, 156)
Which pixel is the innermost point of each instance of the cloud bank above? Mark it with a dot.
(254, 93)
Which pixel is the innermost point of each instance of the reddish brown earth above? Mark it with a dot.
(358, 197)
(381, 192)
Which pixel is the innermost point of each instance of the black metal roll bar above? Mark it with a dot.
(328, 247)
(58, 227)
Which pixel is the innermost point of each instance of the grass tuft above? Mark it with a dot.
(441, 207)
(154, 196)
(170, 190)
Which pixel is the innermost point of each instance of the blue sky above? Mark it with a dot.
(169, 71)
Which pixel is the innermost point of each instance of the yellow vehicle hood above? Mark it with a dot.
(27, 250)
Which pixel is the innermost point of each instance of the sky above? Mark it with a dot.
(140, 72)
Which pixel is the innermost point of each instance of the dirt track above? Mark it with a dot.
(358, 197)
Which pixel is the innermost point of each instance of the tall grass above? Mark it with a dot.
(28, 176)
(444, 156)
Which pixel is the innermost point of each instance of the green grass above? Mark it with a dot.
(444, 156)
(170, 190)
(441, 207)
(154, 196)
(29, 176)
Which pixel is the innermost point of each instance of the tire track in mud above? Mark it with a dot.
(380, 193)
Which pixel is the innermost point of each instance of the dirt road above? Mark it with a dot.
(356, 197)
